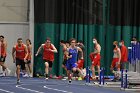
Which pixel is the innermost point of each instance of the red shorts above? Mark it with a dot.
(80, 63)
(114, 63)
(95, 58)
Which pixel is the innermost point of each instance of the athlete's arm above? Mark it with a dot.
(98, 48)
(67, 53)
(30, 49)
(54, 49)
(26, 52)
(39, 49)
(5, 48)
(13, 53)
(79, 49)
(119, 54)
(64, 47)
(122, 52)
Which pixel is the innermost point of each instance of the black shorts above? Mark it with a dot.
(64, 62)
(49, 62)
(21, 63)
(2, 59)
(28, 62)
(124, 65)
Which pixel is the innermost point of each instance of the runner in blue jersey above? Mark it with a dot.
(72, 58)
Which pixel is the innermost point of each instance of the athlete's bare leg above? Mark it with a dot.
(93, 72)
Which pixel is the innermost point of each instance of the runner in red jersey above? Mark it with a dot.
(20, 54)
(115, 66)
(95, 58)
(63, 44)
(28, 63)
(124, 55)
(3, 48)
(48, 55)
(80, 62)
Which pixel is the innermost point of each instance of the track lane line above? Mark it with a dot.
(57, 89)
(6, 91)
(19, 86)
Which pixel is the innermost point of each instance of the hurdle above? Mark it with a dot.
(101, 79)
(107, 83)
(131, 77)
(101, 82)
(129, 84)
(88, 75)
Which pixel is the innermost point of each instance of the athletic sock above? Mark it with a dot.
(46, 75)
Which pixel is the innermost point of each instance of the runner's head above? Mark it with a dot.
(62, 42)
(134, 40)
(121, 43)
(19, 41)
(67, 44)
(1, 38)
(72, 42)
(95, 41)
(48, 41)
(28, 42)
(115, 44)
(80, 42)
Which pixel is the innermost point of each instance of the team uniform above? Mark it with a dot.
(95, 57)
(64, 57)
(2, 53)
(124, 56)
(29, 56)
(115, 59)
(71, 62)
(20, 55)
(80, 62)
(48, 56)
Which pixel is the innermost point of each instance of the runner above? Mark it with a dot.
(3, 53)
(28, 63)
(20, 54)
(124, 55)
(95, 58)
(48, 55)
(80, 62)
(63, 44)
(115, 66)
(72, 58)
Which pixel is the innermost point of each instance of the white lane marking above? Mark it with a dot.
(111, 86)
(57, 89)
(23, 80)
(6, 83)
(56, 85)
(131, 90)
(6, 91)
(19, 86)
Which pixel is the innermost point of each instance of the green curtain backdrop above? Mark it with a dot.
(107, 20)
(59, 32)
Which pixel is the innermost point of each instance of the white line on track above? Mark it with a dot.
(57, 89)
(110, 86)
(23, 80)
(6, 91)
(131, 89)
(19, 86)
(6, 83)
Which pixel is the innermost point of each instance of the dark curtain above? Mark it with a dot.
(107, 20)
